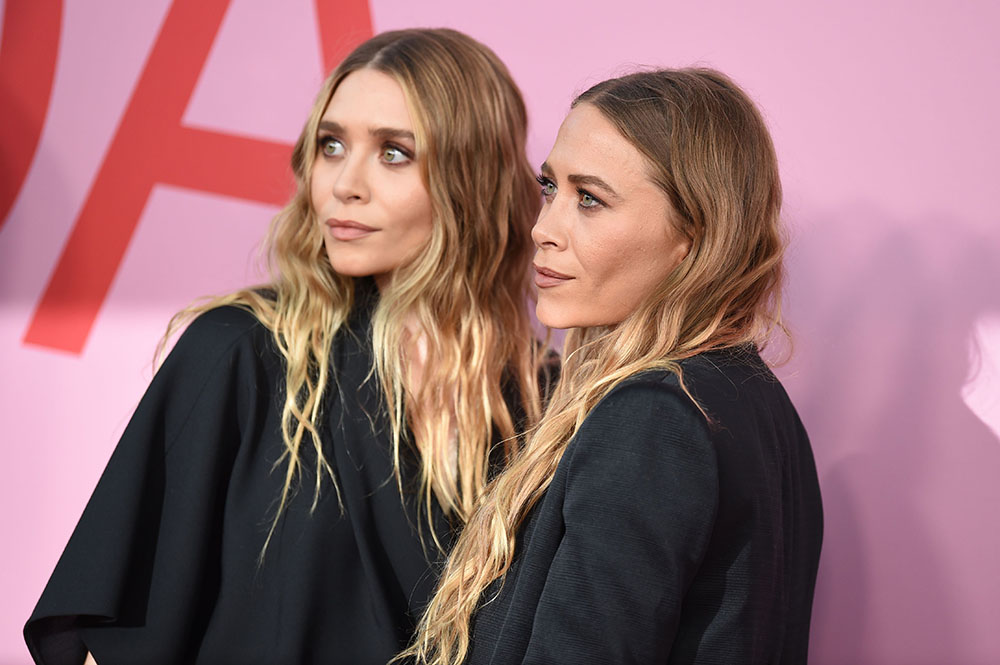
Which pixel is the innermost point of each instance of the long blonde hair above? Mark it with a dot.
(708, 149)
(467, 289)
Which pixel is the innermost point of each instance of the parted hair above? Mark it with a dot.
(467, 289)
(707, 148)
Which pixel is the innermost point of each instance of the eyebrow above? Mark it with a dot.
(384, 133)
(581, 179)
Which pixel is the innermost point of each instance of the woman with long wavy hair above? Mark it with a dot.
(666, 509)
(302, 457)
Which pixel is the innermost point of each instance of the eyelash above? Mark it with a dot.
(545, 182)
(598, 203)
(401, 150)
(321, 142)
(323, 139)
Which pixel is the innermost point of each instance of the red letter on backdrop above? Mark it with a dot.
(197, 159)
(28, 51)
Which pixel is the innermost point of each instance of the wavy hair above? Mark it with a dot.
(709, 151)
(467, 289)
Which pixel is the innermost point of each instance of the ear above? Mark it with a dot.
(681, 248)
(681, 251)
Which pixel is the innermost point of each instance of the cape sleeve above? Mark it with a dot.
(641, 497)
(138, 573)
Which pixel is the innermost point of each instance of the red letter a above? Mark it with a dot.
(186, 157)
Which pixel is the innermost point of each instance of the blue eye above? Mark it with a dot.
(548, 187)
(330, 147)
(393, 155)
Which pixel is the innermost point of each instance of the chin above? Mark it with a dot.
(350, 266)
(552, 316)
(562, 317)
(351, 273)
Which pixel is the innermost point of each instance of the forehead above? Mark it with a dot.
(588, 144)
(370, 98)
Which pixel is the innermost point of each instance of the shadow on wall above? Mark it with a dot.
(883, 314)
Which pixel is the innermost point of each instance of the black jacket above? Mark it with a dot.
(666, 537)
(164, 564)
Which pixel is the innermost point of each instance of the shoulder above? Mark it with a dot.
(219, 329)
(646, 438)
(728, 369)
(223, 325)
(737, 390)
(647, 415)
(725, 375)
(222, 336)
(646, 395)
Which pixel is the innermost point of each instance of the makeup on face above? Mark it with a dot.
(366, 189)
(604, 237)
(347, 229)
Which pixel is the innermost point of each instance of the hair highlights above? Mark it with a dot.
(708, 149)
(466, 290)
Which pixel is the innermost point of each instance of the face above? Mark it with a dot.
(604, 236)
(370, 201)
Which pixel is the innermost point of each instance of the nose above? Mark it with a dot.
(547, 232)
(351, 182)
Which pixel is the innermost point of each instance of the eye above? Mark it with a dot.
(588, 200)
(330, 147)
(548, 187)
(393, 155)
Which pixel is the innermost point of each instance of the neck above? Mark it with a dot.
(382, 281)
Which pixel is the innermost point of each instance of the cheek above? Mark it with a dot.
(605, 256)
(621, 271)
(643, 266)
(411, 209)
(318, 187)
(421, 207)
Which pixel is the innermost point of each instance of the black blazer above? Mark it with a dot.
(665, 537)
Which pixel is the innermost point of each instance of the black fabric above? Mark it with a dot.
(163, 566)
(666, 538)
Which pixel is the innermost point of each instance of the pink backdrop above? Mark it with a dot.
(884, 115)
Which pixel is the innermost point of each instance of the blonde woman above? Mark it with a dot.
(302, 456)
(666, 509)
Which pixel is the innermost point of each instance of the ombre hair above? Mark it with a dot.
(467, 289)
(709, 151)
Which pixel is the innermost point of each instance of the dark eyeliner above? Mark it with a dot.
(545, 181)
(583, 192)
(322, 139)
(394, 146)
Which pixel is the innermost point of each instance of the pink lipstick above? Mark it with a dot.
(546, 278)
(348, 229)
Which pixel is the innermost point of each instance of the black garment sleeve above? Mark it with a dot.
(641, 497)
(145, 553)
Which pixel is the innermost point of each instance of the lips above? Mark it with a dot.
(348, 229)
(546, 277)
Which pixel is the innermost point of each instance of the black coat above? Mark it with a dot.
(163, 566)
(665, 537)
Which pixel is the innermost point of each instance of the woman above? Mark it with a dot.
(272, 501)
(666, 509)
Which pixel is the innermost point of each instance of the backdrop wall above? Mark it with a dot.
(144, 151)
